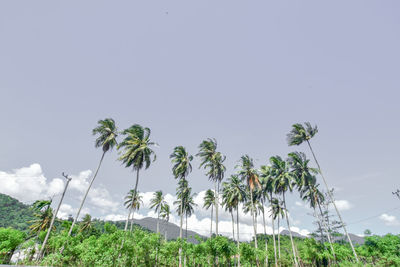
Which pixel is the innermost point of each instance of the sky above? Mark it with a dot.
(239, 72)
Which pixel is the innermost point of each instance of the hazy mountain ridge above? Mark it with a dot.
(16, 214)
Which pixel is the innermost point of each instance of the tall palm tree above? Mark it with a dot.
(263, 197)
(277, 212)
(209, 201)
(156, 203)
(228, 204)
(137, 150)
(106, 132)
(133, 200)
(181, 168)
(213, 162)
(236, 195)
(252, 205)
(164, 214)
(248, 173)
(297, 136)
(268, 189)
(283, 182)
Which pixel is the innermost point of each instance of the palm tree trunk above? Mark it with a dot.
(333, 202)
(127, 219)
(279, 239)
(158, 222)
(233, 227)
(273, 236)
(290, 232)
(265, 236)
(327, 231)
(237, 230)
(216, 207)
(211, 220)
(133, 215)
(254, 224)
(185, 256)
(180, 232)
(52, 220)
(84, 198)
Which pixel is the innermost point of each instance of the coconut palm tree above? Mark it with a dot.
(264, 197)
(106, 132)
(164, 214)
(283, 182)
(137, 150)
(209, 201)
(228, 204)
(156, 203)
(236, 195)
(213, 162)
(268, 189)
(43, 213)
(86, 224)
(303, 133)
(314, 197)
(248, 173)
(252, 205)
(277, 212)
(133, 200)
(181, 168)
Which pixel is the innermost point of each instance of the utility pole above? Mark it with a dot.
(54, 217)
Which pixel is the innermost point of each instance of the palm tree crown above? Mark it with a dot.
(107, 134)
(181, 160)
(137, 146)
(299, 133)
(157, 201)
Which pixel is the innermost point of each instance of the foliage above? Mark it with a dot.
(14, 213)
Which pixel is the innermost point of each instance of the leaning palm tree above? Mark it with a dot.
(181, 168)
(213, 162)
(297, 136)
(283, 182)
(268, 189)
(137, 150)
(133, 201)
(164, 214)
(107, 134)
(248, 173)
(209, 201)
(156, 203)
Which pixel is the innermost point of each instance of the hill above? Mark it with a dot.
(14, 213)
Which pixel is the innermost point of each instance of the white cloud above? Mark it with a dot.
(342, 205)
(389, 220)
(28, 184)
(298, 203)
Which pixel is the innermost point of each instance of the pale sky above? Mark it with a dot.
(240, 72)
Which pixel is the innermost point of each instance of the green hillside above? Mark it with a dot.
(14, 214)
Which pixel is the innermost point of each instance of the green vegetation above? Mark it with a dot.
(258, 191)
(14, 213)
(101, 248)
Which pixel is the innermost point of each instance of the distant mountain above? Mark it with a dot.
(172, 229)
(354, 238)
(14, 213)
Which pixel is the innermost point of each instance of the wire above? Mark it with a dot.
(374, 216)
